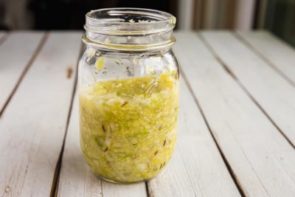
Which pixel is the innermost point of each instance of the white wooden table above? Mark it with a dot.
(237, 119)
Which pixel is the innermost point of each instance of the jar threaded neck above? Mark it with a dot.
(129, 29)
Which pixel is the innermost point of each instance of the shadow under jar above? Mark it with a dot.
(128, 91)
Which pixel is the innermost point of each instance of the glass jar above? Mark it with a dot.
(128, 91)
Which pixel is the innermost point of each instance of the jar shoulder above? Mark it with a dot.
(98, 65)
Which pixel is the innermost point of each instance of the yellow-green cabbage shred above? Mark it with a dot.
(128, 126)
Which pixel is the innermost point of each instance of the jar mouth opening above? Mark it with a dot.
(128, 21)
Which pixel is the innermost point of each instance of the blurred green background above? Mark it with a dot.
(280, 19)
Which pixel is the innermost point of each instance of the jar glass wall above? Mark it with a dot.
(128, 91)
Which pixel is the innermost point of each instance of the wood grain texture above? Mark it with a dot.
(276, 52)
(76, 179)
(15, 54)
(261, 159)
(33, 127)
(196, 168)
(272, 92)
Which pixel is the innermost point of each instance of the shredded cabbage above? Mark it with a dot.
(128, 126)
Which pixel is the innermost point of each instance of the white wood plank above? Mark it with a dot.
(273, 93)
(274, 50)
(197, 168)
(261, 159)
(33, 127)
(15, 54)
(76, 178)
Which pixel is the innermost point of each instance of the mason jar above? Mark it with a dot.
(128, 92)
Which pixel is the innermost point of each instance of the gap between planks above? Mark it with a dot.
(197, 167)
(56, 177)
(30, 148)
(229, 168)
(147, 188)
(108, 187)
(24, 71)
(76, 179)
(231, 73)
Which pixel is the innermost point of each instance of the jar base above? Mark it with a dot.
(120, 182)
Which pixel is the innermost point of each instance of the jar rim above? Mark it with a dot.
(128, 21)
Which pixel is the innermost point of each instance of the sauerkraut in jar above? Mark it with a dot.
(128, 90)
